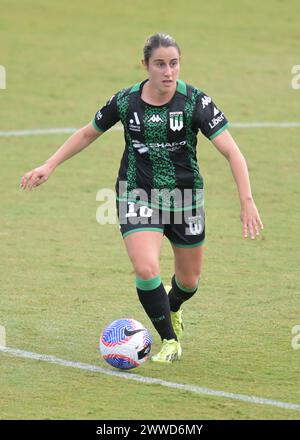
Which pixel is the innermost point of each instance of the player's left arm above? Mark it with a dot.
(250, 218)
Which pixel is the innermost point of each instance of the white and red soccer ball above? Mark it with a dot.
(125, 344)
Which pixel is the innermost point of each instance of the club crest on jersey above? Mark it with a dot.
(176, 121)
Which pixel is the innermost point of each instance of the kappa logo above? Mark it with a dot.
(155, 118)
(99, 115)
(176, 121)
(205, 101)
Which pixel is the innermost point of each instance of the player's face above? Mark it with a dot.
(163, 68)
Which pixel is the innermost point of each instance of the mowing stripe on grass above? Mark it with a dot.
(149, 380)
(43, 131)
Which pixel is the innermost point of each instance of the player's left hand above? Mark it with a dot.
(252, 224)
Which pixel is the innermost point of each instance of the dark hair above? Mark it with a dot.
(158, 40)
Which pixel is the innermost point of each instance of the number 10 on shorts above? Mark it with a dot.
(144, 211)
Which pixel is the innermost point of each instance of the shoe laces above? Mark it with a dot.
(167, 343)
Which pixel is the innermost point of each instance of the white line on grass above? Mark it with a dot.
(2, 336)
(36, 132)
(264, 124)
(149, 380)
(43, 131)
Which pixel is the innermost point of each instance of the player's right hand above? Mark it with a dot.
(36, 177)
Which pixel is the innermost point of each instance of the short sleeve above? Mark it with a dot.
(208, 117)
(107, 116)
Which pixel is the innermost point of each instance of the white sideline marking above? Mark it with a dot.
(149, 380)
(2, 337)
(264, 124)
(42, 131)
(36, 132)
(2, 77)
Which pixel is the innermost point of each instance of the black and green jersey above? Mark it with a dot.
(160, 157)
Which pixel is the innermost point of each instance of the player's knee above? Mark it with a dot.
(147, 270)
(190, 281)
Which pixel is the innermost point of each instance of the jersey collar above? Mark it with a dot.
(181, 87)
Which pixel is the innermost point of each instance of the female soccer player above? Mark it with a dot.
(159, 187)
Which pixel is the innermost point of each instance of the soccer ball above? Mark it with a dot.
(125, 344)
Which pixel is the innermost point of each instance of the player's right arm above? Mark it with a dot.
(103, 120)
(81, 139)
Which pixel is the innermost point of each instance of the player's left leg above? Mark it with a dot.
(188, 266)
(186, 233)
(185, 281)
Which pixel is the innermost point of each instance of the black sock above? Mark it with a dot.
(179, 294)
(154, 299)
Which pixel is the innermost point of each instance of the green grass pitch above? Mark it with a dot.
(64, 277)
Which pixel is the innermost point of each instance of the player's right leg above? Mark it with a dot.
(143, 248)
(143, 232)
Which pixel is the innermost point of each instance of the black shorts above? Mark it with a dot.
(182, 228)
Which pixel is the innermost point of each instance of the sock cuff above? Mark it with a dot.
(183, 288)
(150, 284)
